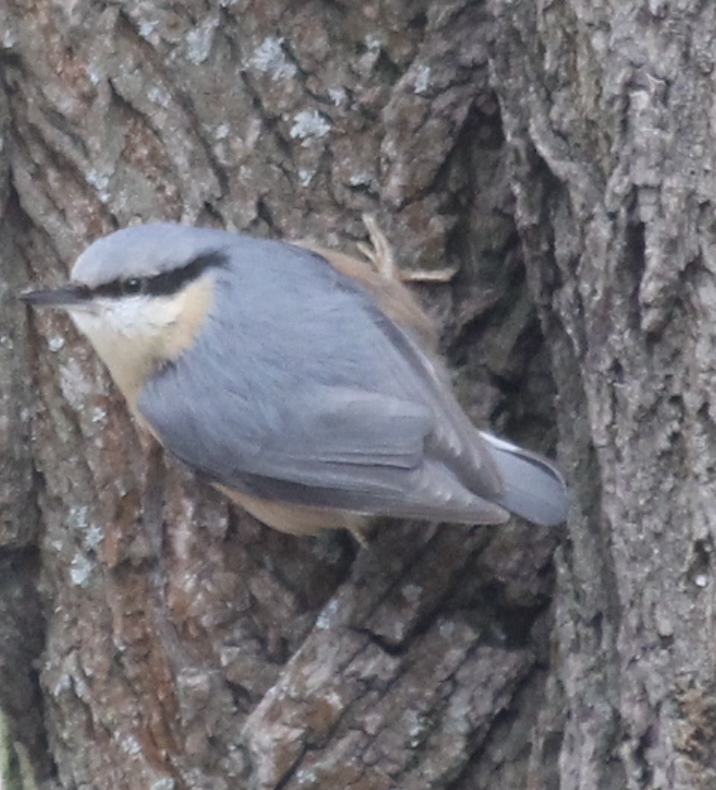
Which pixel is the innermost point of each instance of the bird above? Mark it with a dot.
(297, 380)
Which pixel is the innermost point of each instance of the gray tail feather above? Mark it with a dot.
(534, 489)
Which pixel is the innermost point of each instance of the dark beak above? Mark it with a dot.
(67, 296)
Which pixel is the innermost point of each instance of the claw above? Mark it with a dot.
(380, 253)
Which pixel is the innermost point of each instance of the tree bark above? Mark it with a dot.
(564, 136)
(607, 113)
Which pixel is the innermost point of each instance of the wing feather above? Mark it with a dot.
(297, 387)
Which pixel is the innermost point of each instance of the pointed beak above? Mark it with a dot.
(67, 296)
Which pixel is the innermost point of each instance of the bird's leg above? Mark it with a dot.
(361, 530)
(378, 250)
(380, 253)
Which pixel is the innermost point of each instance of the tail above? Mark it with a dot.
(533, 488)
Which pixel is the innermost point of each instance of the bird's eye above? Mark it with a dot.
(133, 286)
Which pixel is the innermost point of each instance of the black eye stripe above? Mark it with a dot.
(134, 285)
(164, 283)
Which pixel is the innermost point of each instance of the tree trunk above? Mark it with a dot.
(228, 655)
(607, 113)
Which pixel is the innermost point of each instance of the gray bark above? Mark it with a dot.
(571, 135)
(608, 114)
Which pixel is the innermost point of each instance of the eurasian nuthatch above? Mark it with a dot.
(299, 382)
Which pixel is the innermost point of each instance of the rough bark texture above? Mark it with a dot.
(239, 657)
(608, 112)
